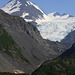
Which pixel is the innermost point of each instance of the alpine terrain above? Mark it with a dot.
(29, 37)
(22, 48)
(54, 26)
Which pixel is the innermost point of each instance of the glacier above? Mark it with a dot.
(58, 27)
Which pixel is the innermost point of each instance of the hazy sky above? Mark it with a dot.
(49, 6)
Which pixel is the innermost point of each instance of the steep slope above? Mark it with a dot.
(26, 9)
(34, 49)
(9, 49)
(65, 65)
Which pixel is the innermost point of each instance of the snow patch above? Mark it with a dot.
(30, 3)
(28, 20)
(44, 19)
(25, 14)
(25, 4)
(10, 6)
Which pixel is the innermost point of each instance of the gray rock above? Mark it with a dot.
(69, 39)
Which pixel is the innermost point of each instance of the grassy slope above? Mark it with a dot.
(59, 66)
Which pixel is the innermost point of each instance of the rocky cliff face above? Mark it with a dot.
(34, 50)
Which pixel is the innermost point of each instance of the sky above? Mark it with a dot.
(50, 6)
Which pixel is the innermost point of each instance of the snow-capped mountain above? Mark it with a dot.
(54, 26)
(58, 27)
(26, 9)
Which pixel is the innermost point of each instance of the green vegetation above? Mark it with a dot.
(59, 66)
(8, 46)
(5, 73)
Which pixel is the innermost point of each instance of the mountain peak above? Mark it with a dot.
(56, 14)
(65, 14)
(24, 8)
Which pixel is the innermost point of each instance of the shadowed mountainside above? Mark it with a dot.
(64, 65)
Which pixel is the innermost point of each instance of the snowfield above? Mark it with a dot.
(58, 27)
